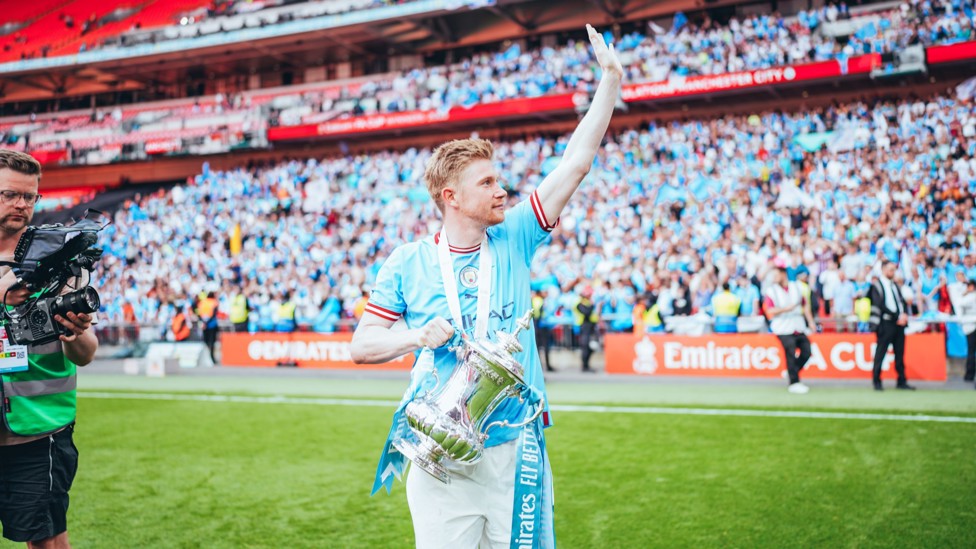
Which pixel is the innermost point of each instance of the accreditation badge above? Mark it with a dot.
(13, 358)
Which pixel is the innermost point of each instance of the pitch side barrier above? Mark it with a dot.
(300, 349)
(835, 356)
(842, 355)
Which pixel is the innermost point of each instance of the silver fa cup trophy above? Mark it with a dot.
(449, 421)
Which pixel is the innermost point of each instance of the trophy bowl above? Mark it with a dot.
(450, 421)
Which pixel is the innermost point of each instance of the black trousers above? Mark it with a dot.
(890, 334)
(795, 363)
(970, 356)
(210, 339)
(587, 334)
(543, 340)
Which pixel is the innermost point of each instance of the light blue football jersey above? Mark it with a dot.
(410, 285)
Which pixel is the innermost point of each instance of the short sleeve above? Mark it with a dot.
(386, 299)
(528, 227)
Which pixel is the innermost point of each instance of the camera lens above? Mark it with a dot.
(84, 300)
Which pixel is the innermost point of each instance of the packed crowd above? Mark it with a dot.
(688, 48)
(649, 54)
(668, 211)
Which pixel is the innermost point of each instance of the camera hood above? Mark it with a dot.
(42, 252)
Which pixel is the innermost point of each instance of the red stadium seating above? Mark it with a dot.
(49, 30)
(25, 11)
(155, 13)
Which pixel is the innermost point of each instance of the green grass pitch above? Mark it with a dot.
(178, 473)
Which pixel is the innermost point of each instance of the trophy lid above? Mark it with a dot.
(500, 351)
(493, 353)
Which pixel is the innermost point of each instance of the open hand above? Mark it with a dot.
(605, 55)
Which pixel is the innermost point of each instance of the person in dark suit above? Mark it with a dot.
(889, 316)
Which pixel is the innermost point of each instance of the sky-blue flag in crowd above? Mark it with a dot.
(680, 20)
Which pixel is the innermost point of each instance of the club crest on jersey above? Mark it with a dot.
(469, 277)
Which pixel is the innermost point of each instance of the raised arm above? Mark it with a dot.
(556, 189)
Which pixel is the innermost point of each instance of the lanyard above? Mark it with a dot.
(450, 285)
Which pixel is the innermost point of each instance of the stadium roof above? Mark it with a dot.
(420, 27)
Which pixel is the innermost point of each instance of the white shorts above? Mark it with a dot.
(475, 508)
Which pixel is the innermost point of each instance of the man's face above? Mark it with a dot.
(17, 214)
(478, 195)
(889, 270)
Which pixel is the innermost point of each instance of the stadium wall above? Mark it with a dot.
(835, 356)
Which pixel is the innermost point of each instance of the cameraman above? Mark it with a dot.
(38, 458)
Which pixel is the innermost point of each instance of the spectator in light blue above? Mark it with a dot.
(968, 266)
(748, 295)
(929, 282)
(621, 307)
(327, 320)
(845, 292)
(265, 317)
(793, 272)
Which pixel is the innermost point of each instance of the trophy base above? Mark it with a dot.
(427, 456)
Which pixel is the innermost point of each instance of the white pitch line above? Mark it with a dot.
(759, 413)
(590, 409)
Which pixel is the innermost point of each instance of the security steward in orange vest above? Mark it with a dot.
(180, 325)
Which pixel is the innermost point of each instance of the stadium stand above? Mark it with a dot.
(688, 49)
(704, 201)
(692, 203)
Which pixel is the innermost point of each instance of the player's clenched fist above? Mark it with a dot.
(435, 333)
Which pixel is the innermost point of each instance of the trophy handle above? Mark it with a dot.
(437, 382)
(505, 423)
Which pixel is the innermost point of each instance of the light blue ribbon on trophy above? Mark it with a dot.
(532, 508)
(392, 463)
